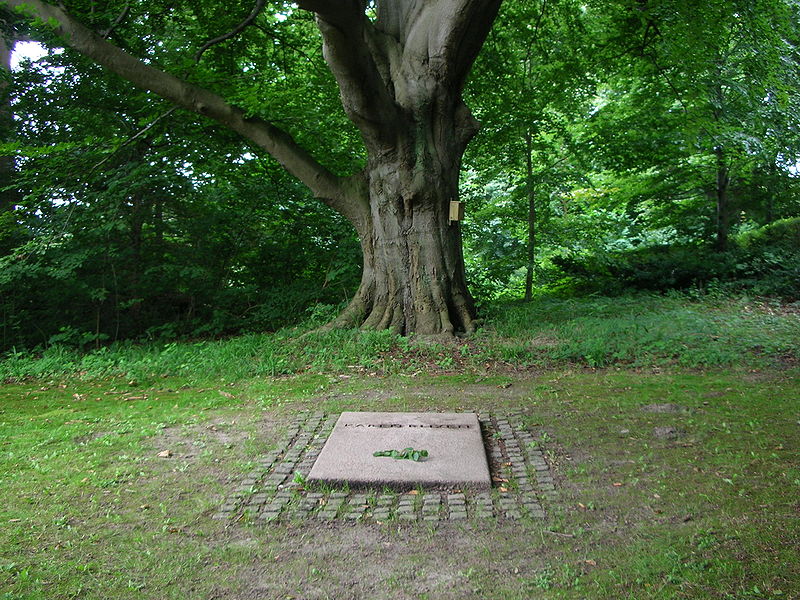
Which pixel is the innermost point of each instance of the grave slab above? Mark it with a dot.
(456, 455)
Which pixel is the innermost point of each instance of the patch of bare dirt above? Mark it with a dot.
(200, 454)
(188, 441)
(350, 562)
(394, 395)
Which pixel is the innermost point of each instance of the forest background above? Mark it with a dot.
(625, 145)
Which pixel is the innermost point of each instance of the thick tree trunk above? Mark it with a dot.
(402, 89)
(413, 272)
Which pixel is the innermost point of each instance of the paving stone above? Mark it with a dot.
(303, 445)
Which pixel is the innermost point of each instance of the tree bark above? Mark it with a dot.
(531, 193)
(8, 195)
(413, 273)
(723, 211)
(400, 77)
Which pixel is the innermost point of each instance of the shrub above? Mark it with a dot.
(764, 261)
(784, 234)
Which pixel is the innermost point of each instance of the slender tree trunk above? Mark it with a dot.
(531, 192)
(723, 212)
(773, 171)
(138, 210)
(8, 197)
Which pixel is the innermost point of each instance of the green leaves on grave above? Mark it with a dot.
(407, 453)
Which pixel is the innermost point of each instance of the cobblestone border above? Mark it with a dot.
(273, 491)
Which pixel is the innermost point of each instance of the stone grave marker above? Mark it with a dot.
(456, 456)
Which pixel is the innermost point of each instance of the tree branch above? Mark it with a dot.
(121, 17)
(134, 137)
(296, 160)
(236, 30)
(356, 65)
(339, 13)
(467, 25)
(439, 39)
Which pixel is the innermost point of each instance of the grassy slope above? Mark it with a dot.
(639, 331)
(89, 510)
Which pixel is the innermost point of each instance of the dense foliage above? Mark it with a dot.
(649, 145)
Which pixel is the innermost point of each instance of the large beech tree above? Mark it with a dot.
(400, 66)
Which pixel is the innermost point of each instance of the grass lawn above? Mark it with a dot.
(673, 481)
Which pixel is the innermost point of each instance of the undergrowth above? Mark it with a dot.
(637, 330)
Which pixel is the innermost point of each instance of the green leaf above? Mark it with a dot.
(406, 453)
